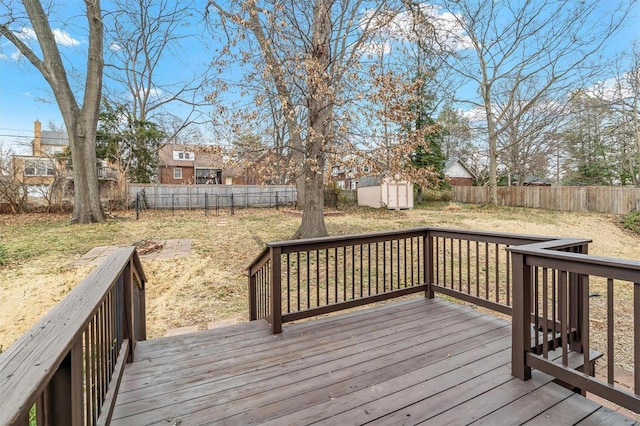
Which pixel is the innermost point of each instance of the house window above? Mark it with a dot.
(42, 167)
(184, 156)
(177, 173)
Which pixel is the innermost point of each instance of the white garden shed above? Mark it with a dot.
(384, 192)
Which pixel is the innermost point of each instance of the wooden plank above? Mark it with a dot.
(370, 404)
(428, 358)
(528, 406)
(364, 376)
(568, 411)
(605, 417)
(476, 408)
(204, 355)
(312, 361)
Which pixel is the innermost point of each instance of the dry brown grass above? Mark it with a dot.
(210, 285)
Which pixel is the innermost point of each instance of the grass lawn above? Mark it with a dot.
(37, 254)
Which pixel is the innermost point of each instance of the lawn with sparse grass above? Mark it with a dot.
(37, 253)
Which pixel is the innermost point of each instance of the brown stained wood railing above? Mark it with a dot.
(68, 366)
(322, 275)
(562, 288)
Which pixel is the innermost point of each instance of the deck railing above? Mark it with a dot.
(542, 282)
(297, 279)
(562, 290)
(67, 368)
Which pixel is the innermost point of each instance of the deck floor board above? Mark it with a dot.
(421, 360)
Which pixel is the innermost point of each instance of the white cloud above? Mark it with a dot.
(115, 47)
(441, 29)
(61, 37)
(16, 55)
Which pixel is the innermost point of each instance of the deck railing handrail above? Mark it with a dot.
(426, 250)
(69, 363)
(556, 283)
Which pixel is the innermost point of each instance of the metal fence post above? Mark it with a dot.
(276, 200)
(232, 211)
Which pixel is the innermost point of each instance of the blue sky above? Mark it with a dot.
(25, 96)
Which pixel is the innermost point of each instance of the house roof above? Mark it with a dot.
(535, 180)
(451, 162)
(49, 137)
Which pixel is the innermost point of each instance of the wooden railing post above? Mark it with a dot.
(276, 290)
(253, 307)
(428, 264)
(577, 285)
(61, 402)
(521, 317)
(127, 319)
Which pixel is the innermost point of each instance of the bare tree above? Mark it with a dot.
(80, 120)
(142, 35)
(309, 53)
(626, 100)
(546, 44)
(13, 191)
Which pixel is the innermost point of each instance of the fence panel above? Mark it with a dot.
(599, 199)
(213, 196)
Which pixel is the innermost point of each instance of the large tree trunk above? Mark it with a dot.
(81, 123)
(319, 125)
(87, 207)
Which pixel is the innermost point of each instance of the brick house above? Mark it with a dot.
(193, 165)
(457, 173)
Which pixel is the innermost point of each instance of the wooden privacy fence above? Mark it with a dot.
(67, 368)
(213, 196)
(599, 199)
(542, 282)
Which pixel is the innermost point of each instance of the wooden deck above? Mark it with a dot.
(421, 360)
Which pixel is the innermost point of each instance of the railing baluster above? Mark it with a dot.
(536, 309)
(477, 268)
(298, 277)
(344, 273)
(562, 301)
(459, 264)
(317, 278)
(335, 273)
(288, 283)
(468, 267)
(636, 336)
(486, 270)
(497, 274)
(585, 329)
(361, 276)
(326, 275)
(369, 269)
(610, 323)
(508, 258)
(545, 312)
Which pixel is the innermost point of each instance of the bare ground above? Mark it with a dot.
(210, 284)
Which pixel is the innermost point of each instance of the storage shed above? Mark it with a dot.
(381, 192)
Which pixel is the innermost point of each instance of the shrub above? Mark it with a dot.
(632, 222)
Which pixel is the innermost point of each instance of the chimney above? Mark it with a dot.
(37, 139)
